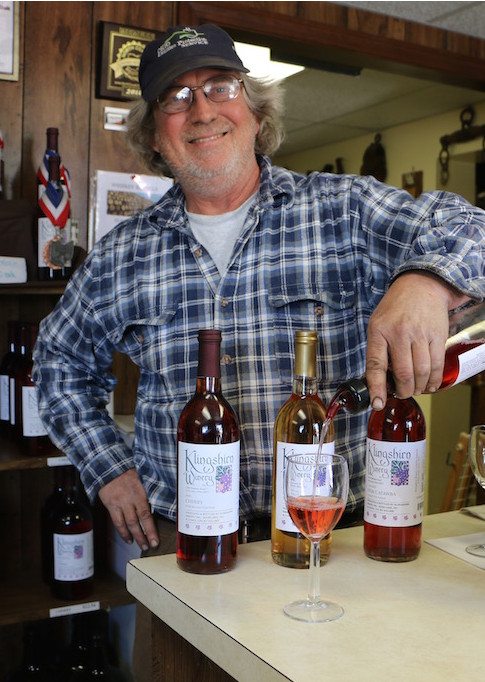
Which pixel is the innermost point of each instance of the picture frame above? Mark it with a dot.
(9, 40)
(121, 48)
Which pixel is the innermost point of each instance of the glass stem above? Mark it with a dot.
(314, 577)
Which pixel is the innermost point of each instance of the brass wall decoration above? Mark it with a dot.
(121, 50)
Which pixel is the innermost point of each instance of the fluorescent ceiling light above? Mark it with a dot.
(258, 60)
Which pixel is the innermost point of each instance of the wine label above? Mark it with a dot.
(4, 398)
(470, 362)
(394, 483)
(12, 400)
(283, 450)
(73, 556)
(31, 423)
(208, 489)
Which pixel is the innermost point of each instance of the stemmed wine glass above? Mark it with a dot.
(316, 491)
(476, 454)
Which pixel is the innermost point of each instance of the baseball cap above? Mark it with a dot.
(182, 49)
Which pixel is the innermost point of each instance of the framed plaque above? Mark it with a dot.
(121, 49)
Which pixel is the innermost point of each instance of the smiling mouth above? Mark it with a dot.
(209, 138)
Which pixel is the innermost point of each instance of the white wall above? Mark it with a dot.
(409, 147)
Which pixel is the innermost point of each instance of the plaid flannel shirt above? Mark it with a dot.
(316, 252)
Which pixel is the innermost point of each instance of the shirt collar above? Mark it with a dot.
(276, 186)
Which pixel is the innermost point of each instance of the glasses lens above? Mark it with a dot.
(174, 100)
(222, 88)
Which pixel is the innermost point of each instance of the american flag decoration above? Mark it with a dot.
(54, 202)
(43, 171)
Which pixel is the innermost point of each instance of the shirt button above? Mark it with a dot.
(319, 311)
(198, 253)
(224, 302)
(226, 359)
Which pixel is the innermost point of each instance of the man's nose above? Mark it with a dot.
(202, 108)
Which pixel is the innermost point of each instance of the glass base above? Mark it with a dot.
(313, 612)
(476, 550)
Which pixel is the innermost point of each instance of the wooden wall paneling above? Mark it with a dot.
(349, 36)
(57, 92)
(11, 123)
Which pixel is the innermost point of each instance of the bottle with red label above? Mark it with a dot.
(208, 470)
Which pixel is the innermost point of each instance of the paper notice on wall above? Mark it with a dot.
(117, 196)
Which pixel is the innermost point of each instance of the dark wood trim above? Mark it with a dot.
(349, 36)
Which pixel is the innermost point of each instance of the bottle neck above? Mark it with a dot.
(208, 385)
(303, 385)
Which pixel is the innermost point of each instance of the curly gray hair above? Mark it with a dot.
(264, 98)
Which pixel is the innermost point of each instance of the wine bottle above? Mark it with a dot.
(394, 483)
(464, 358)
(30, 429)
(2, 167)
(208, 470)
(55, 246)
(297, 429)
(6, 369)
(88, 655)
(46, 523)
(71, 532)
(465, 347)
(52, 135)
(34, 666)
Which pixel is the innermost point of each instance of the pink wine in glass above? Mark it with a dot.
(315, 515)
(208, 470)
(394, 485)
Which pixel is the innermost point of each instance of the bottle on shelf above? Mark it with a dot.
(2, 167)
(69, 531)
(208, 470)
(30, 431)
(55, 247)
(7, 365)
(34, 666)
(298, 429)
(88, 654)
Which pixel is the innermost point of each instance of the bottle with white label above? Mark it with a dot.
(30, 430)
(394, 483)
(6, 370)
(297, 430)
(208, 470)
(69, 524)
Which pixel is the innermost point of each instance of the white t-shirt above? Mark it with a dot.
(218, 233)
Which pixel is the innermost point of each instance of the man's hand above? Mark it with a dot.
(408, 330)
(125, 499)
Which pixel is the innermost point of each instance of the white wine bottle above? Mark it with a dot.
(297, 430)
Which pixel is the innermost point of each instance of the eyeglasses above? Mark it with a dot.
(217, 89)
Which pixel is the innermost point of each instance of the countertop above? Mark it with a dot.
(417, 621)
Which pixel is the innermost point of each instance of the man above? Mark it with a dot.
(258, 252)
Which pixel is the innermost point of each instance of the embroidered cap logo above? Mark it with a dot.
(187, 37)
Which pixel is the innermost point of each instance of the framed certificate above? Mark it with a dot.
(121, 49)
(9, 41)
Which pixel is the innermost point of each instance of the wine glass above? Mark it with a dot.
(316, 491)
(476, 454)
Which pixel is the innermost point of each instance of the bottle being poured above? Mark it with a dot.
(396, 444)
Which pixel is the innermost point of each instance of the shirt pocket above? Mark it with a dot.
(160, 348)
(330, 311)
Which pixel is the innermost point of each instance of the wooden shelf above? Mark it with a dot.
(33, 288)
(12, 458)
(24, 597)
